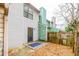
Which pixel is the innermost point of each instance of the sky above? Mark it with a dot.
(50, 7)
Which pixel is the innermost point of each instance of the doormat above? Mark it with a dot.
(35, 44)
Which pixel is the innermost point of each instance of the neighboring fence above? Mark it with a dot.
(77, 45)
(53, 37)
(64, 38)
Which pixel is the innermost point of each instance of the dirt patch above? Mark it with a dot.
(50, 49)
(53, 50)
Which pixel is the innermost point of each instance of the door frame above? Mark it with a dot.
(31, 34)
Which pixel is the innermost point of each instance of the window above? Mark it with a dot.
(28, 13)
(26, 8)
(25, 14)
(30, 16)
(40, 19)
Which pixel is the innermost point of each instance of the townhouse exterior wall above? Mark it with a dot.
(18, 25)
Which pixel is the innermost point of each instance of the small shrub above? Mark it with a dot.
(69, 41)
(42, 40)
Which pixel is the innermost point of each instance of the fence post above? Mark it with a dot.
(75, 42)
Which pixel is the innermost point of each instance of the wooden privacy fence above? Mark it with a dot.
(53, 37)
(64, 38)
(76, 47)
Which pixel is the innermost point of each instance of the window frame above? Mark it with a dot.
(28, 12)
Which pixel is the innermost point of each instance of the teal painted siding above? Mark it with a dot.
(48, 23)
(42, 24)
(43, 15)
(51, 28)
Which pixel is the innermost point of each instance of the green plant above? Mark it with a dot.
(42, 40)
(69, 41)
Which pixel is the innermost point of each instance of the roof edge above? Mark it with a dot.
(33, 7)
